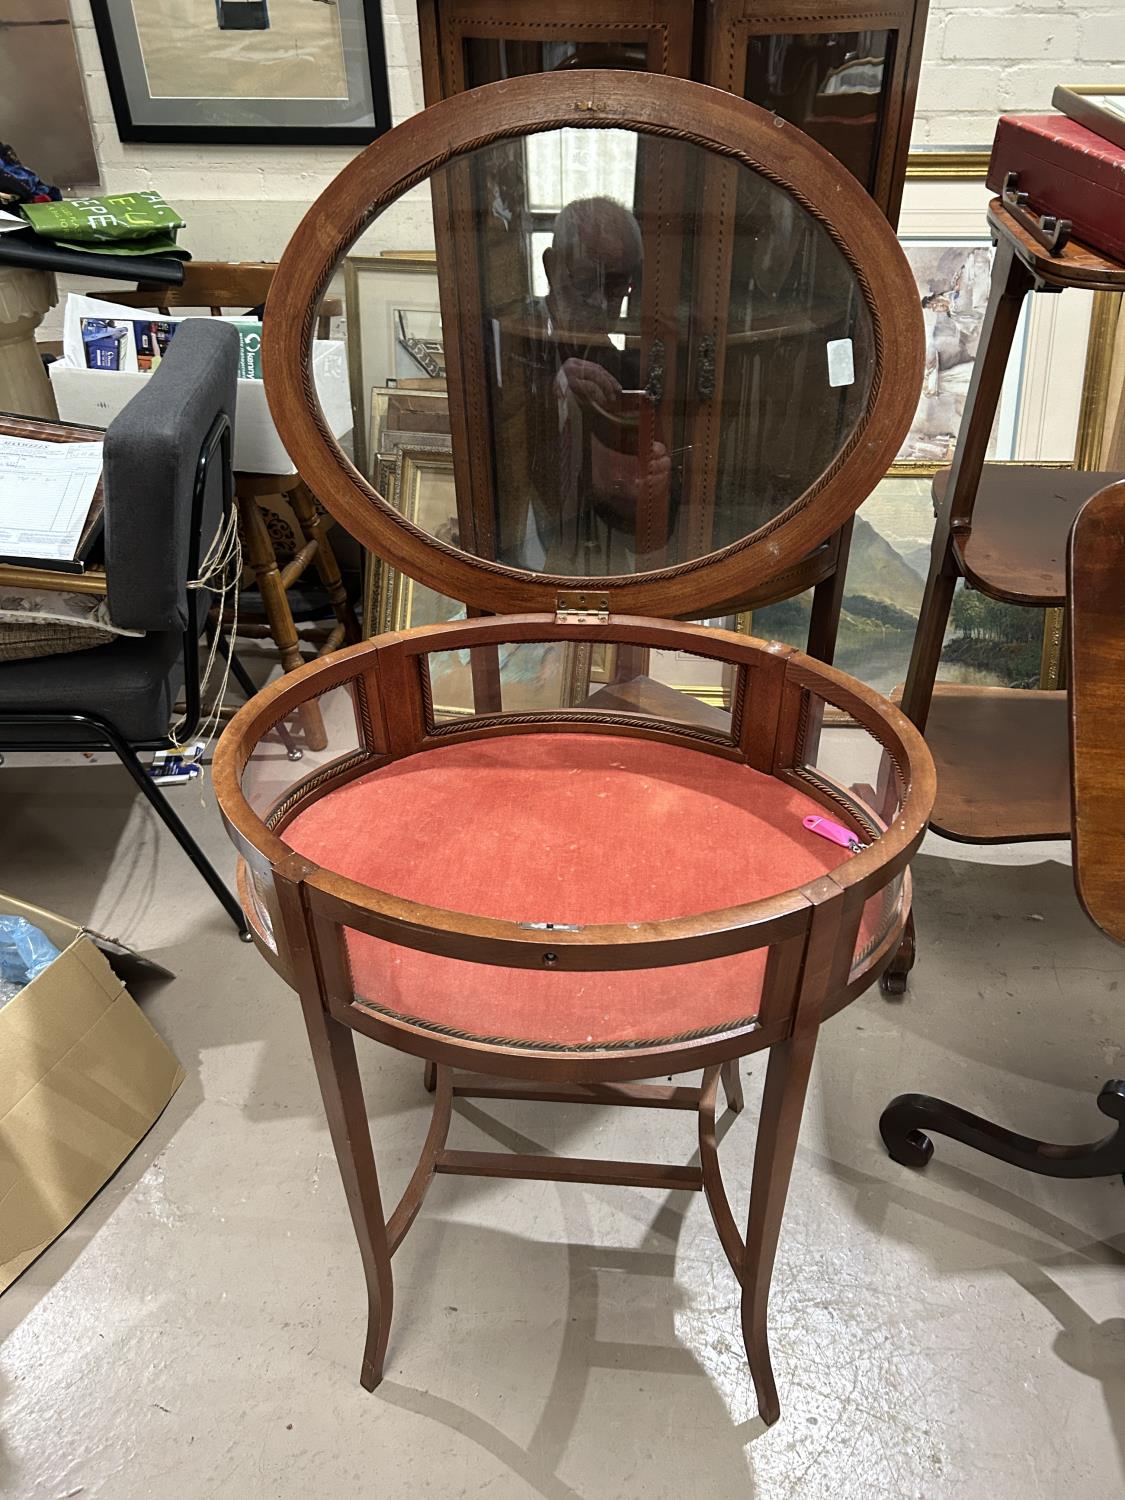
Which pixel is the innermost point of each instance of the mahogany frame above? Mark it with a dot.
(652, 104)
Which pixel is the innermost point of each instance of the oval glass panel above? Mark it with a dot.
(624, 353)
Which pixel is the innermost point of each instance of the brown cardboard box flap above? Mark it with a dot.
(82, 1077)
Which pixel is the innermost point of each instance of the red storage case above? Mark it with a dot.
(1067, 170)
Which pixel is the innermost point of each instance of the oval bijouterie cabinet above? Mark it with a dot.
(562, 841)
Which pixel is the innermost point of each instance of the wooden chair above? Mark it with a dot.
(1096, 696)
(238, 287)
(1001, 752)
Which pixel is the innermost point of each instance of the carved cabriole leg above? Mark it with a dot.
(893, 981)
(906, 1120)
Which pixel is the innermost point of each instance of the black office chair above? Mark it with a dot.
(168, 489)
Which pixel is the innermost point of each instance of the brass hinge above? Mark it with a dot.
(581, 609)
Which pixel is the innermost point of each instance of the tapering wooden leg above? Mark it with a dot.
(783, 1102)
(827, 601)
(429, 1077)
(333, 1049)
(1011, 281)
(933, 618)
(313, 524)
(732, 1085)
(263, 559)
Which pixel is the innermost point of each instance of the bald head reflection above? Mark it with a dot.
(593, 263)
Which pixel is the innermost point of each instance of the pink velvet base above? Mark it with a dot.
(571, 829)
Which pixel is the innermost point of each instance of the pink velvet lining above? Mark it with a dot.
(572, 829)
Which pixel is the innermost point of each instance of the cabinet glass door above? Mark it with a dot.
(833, 85)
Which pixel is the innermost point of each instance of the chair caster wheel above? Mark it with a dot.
(246, 936)
(893, 984)
(296, 753)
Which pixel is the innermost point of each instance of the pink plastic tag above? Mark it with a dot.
(829, 830)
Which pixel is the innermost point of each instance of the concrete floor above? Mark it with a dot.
(197, 1332)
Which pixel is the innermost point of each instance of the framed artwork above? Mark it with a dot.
(419, 482)
(393, 316)
(953, 279)
(259, 72)
(399, 416)
(39, 62)
(533, 675)
(988, 643)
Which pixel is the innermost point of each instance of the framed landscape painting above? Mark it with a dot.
(987, 643)
(263, 72)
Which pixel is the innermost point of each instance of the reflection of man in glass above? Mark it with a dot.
(589, 478)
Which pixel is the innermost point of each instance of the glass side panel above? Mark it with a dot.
(841, 753)
(830, 84)
(656, 351)
(322, 732)
(540, 676)
(552, 1008)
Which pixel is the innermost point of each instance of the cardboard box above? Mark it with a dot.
(82, 1078)
(94, 397)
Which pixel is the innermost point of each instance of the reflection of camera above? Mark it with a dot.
(242, 15)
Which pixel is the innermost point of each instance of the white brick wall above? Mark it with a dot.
(981, 59)
(243, 202)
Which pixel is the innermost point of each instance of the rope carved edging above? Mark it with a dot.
(527, 1044)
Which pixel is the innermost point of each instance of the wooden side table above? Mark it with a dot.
(1002, 753)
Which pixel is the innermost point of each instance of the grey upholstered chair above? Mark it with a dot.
(168, 485)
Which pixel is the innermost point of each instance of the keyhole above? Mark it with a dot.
(550, 960)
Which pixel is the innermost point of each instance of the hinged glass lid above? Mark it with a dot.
(679, 345)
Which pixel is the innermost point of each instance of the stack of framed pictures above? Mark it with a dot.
(400, 419)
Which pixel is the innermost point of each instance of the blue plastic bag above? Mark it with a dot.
(24, 951)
